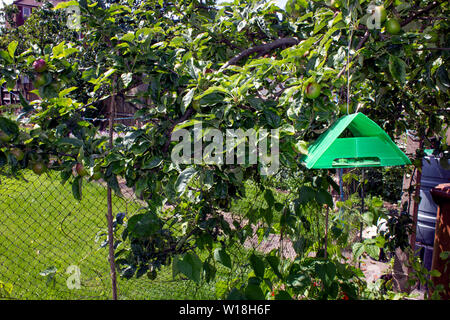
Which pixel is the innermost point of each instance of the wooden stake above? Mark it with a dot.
(109, 215)
(362, 212)
(326, 231)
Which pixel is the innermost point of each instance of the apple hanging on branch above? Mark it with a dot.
(39, 65)
(312, 90)
(38, 167)
(393, 26)
(81, 171)
(19, 154)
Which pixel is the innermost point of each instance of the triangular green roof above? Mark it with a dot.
(370, 146)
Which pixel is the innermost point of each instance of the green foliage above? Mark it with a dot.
(242, 65)
(5, 289)
(385, 183)
(421, 275)
(303, 278)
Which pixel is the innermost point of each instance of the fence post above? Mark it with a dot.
(109, 215)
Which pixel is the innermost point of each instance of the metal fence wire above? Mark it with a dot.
(55, 247)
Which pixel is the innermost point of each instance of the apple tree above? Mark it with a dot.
(238, 65)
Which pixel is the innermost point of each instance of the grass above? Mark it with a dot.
(43, 228)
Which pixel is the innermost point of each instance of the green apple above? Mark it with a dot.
(81, 171)
(196, 105)
(393, 26)
(4, 137)
(18, 154)
(312, 90)
(38, 167)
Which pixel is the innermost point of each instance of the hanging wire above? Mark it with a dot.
(348, 58)
(348, 72)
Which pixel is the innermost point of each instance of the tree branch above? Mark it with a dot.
(359, 46)
(263, 49)
(421, 12)
(403, 23)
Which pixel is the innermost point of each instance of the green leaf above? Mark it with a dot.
(254, 292)
(241, 25)
(71, 141)
(358, 249)
(301, 147)
(235, 294)
(257, 265)
(283, 295)
(307, 194)
(435, 273)
(183, 179)
(221, 288)
(326, 272)
(211, 99)
(63, 5)
(126, 78)
(108, 73)
(12, 48)
(191, 266)
(221, 256)
(213, 89)
(187, 99)
(175, 269)
(270, 199)
(324, 197)
(5, 55)
(58, 50)
(373, 251)
(76, 188)
(143, 225)
(209, 271)
(298, 281)
(272, 118)
(368, 218)
(274, 263)
(66, 91)
(442, 79)
(444, 255)
(128, 37)
(9, 127)
(185, 124)
(112, 181)
(153, 162)
(397, 68)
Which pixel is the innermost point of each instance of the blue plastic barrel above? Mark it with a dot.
(432, 175)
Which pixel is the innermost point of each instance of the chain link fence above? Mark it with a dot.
(55, 247)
